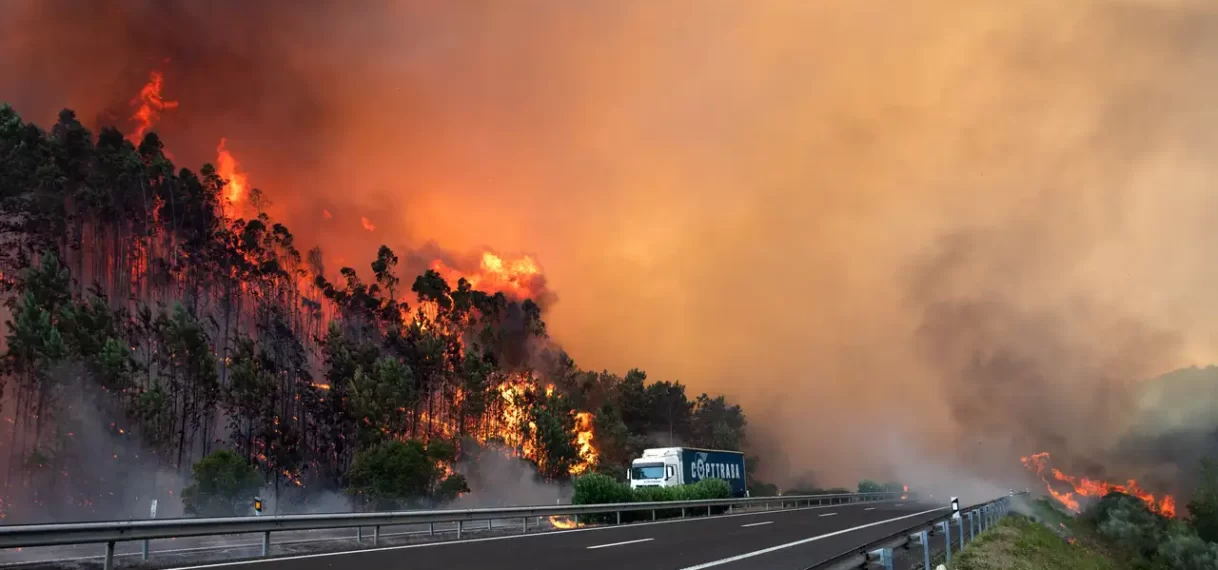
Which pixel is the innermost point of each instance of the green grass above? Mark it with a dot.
(1019, 543)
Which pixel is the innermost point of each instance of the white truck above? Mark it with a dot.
(674, 466)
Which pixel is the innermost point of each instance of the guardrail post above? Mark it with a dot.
(431, 529)
(266, 543)
(109, 562)
(376, 535)
(576, 520)
(359, 535)
(961, 519)
(619, 517)
(883, 555)
(708, 510)
(459, 525)
(926, 550)
(524, 527)
(144, 551)
(653, 514)
(947, 541)
(682, 512)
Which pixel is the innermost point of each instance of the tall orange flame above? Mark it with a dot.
(229, 169)
(149, 104)
(1084, 487)
(583, 440)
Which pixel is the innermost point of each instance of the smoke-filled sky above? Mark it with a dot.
(960, 227)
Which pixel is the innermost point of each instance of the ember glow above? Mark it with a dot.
(1083, 487)
(367, 224)
(149, 105)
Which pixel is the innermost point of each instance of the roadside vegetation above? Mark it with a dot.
(597, 488)
(1019, 543)
(1116, 533)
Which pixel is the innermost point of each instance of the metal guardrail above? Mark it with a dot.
(980, 517)
(110, 532)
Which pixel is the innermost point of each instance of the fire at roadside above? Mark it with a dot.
(1072, 491)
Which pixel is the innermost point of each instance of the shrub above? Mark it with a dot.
(1203, 509)
(600, 489)
(1184, 550)
(758, 489)
(223, 484)
(1126, 521)
(707, 489)
(869, 486)
(393, 474)
(596, 488)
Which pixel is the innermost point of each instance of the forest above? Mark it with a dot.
(153, 324)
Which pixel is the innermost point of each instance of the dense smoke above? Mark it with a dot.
(965, 229)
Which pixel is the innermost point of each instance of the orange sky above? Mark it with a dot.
(859, 219)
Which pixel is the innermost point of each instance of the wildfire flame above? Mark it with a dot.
(229, 169)
(513, 394)
(1084, 487)
(149, 104)
(583, 439)
(518, 278)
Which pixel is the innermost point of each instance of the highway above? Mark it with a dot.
(777, 540)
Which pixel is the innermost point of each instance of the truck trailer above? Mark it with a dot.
(674, 466)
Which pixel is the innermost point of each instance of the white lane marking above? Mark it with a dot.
(512, 537)
(620, 543)
(869, 509)
(804, 541)
(827, 515)
(756, 524)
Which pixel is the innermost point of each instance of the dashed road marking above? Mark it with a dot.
(620, 543)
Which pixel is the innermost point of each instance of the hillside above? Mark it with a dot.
(158, 316)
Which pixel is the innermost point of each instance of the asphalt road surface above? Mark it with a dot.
(793, 539)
